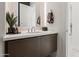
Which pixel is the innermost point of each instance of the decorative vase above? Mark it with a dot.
(11, 30)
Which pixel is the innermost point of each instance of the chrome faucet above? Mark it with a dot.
(33, 29)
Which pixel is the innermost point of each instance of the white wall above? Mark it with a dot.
(12, 7)
(62, 29)
(40, 11)
(59, 10)
(2, 27)
(37, 9)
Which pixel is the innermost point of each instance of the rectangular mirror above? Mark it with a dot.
(27, 14)
(30, 14)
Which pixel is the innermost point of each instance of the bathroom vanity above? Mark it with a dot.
(39, 44)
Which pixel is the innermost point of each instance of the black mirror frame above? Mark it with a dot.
(25, 3)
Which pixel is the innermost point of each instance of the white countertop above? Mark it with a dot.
(26, 35)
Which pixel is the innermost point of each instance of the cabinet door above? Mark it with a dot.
(29, 47)
(48, 44)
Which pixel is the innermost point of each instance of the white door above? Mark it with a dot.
(73, 41)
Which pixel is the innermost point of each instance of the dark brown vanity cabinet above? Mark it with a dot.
(48, 44)
(39, 46)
